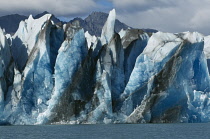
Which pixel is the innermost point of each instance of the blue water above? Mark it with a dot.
(112, 131)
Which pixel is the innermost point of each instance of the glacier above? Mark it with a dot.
(59, 74)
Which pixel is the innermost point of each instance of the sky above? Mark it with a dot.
(164, 15)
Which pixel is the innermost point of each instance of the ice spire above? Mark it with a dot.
(108, 29)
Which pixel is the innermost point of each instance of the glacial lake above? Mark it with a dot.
(110, 131)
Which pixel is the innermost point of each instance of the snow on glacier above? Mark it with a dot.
(122, 33)
(90, 39)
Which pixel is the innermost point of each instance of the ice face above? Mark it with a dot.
(12, 101)
(6, 66)
(104, 109)
(74, 51)
(132, 51)
(190, 74)
(200, 104)
(70, 56)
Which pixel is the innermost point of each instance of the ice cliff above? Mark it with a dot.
(54, 74)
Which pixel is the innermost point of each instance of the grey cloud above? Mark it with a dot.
(58, 7)
(141, 5)
(166, 15)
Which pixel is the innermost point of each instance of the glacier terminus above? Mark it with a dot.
(59, 74)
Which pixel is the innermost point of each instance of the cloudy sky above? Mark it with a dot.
(164, 15)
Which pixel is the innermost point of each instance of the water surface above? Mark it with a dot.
(111, 131)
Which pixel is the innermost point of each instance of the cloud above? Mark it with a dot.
(165, 15)
(58, 7)
(141, 5)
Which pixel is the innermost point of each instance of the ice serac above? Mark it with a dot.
(108, 29)
(32, 87)
(69, 59)
(107, 33)
(112, 56)
(111, 63)
(25, 39)
(34, 96)
(6, 69)
(38, 69)
(160, 47)
(169, 95)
